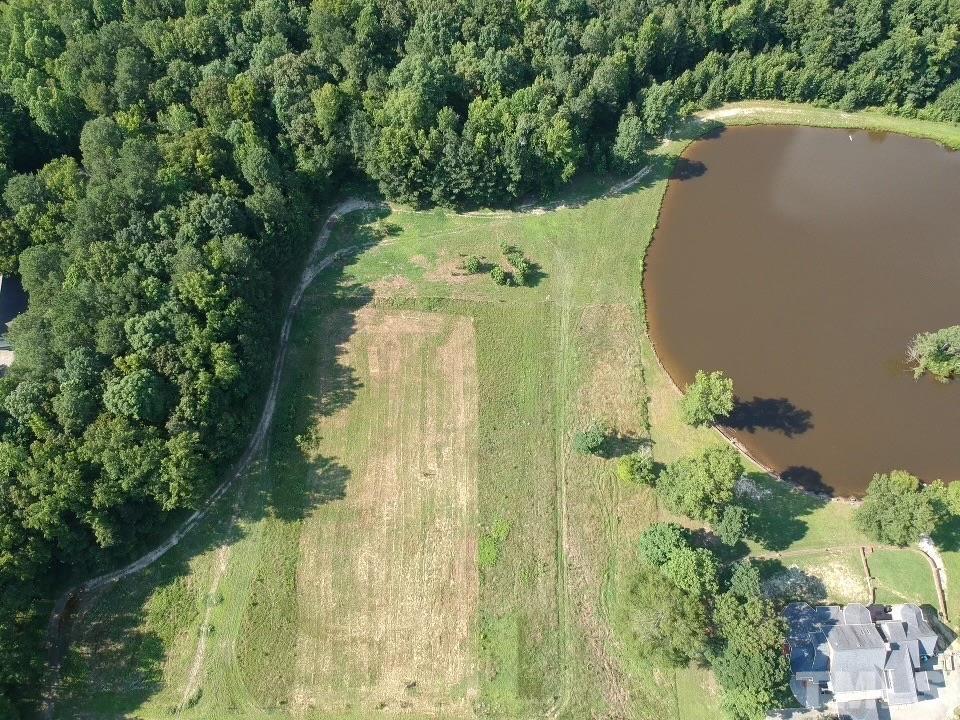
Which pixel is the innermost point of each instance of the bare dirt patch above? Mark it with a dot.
(834, 576)
(449, 269)
(387, 578)
(392, 286)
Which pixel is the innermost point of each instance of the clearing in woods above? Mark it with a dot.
(418, 539)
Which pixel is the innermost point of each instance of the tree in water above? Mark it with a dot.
(937, 353)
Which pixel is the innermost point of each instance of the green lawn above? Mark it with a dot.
(902, 576)
(297, 594)
(555, 530)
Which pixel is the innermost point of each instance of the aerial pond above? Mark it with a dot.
(801, 261)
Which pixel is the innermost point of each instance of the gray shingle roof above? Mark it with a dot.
(861, 710)
(854, 637)
(878, 655)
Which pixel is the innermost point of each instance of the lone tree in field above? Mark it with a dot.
(937, 353)
(709, 397)
(590, 440)
(897, 509)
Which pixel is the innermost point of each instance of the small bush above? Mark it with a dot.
(523, 268)
(500, 276)
(473, 265)
(491, 543)
(522, 271)
(638, 468)
(589, 441)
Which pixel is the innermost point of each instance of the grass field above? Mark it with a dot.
(419, 539)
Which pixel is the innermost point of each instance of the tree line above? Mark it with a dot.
(162, 163)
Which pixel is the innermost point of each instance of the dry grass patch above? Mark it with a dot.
(387, 580)
(835, 576)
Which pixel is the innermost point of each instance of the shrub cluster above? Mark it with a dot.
(685, 608)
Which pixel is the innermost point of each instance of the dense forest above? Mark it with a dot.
(163, 162)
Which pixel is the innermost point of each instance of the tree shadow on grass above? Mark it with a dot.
(776, 510)
(693, 128)
(617, 444)
(118, 646)
(774, 414)
(789, 584)
(125, 673)
(947, 534)
(535, 274)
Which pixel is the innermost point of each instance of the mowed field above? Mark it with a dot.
(418, 539)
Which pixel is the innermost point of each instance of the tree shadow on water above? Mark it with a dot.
(686, 169)
(808, 479)
(774, 414)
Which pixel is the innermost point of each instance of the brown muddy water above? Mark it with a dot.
(801, 261)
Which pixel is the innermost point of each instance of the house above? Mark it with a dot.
(861, 658)
(13, 301)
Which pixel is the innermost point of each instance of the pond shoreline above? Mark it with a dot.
(700, 124)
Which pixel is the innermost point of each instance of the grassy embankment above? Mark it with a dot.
(300, 589)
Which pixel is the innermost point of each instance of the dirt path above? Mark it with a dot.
(729, 112)
(563, 370)
(57, 630)
(223, 557)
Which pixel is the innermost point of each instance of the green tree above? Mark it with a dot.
(637, 467)
(701, 486)
(591, 439)
(937, 353)
(749, 662)
(733, 524)
(668, 626)
(897, 509)
(630, 143)
(947, 105)
(139, 395)
(708, 398)
(660, 541)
